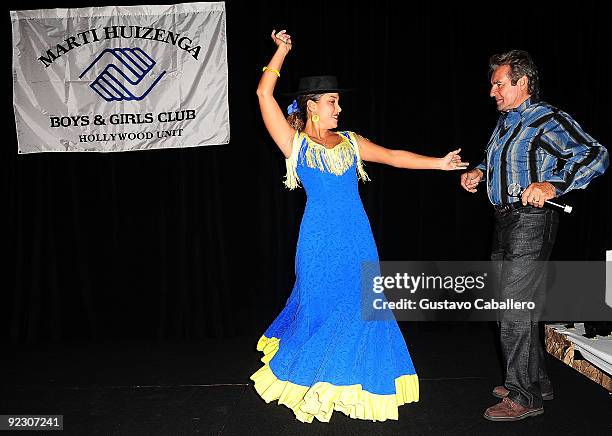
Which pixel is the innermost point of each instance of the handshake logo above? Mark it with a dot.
(124, 74)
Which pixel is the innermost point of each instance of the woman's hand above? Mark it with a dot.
(452, 161)
(282, 40)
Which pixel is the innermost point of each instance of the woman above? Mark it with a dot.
(320, 355)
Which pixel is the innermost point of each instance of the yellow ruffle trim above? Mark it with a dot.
(337, 159)
(321, 399)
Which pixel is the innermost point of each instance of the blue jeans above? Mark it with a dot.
(522, 241)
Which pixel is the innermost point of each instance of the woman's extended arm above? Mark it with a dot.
(372, 152)
(274, 118)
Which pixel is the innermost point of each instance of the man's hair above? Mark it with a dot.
(520, 64)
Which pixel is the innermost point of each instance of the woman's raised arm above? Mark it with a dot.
(273, 116)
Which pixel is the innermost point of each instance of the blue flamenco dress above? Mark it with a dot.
(320, 355)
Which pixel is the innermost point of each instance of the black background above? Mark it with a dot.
(200, 242)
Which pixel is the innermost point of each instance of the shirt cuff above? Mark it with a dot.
(559, 184)
(482, 168)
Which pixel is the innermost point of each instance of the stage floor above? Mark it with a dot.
(138, 388)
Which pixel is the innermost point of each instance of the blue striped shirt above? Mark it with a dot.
(537, 142)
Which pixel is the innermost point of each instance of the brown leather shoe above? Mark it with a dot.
(502, 392)
(508, 410)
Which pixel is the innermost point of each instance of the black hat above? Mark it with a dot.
(317, 85)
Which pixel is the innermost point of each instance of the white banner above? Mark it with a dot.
(120, 77)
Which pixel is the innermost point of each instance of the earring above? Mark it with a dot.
(315, 118)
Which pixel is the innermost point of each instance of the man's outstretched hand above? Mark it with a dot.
(471, 179)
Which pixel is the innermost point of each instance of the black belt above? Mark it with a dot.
(509, 207)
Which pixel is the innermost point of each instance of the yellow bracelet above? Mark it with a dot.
(272, 70)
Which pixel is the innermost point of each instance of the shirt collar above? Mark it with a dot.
(524, 105)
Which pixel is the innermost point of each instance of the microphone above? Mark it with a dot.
(515, 190)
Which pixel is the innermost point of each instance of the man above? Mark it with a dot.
(544, 151)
